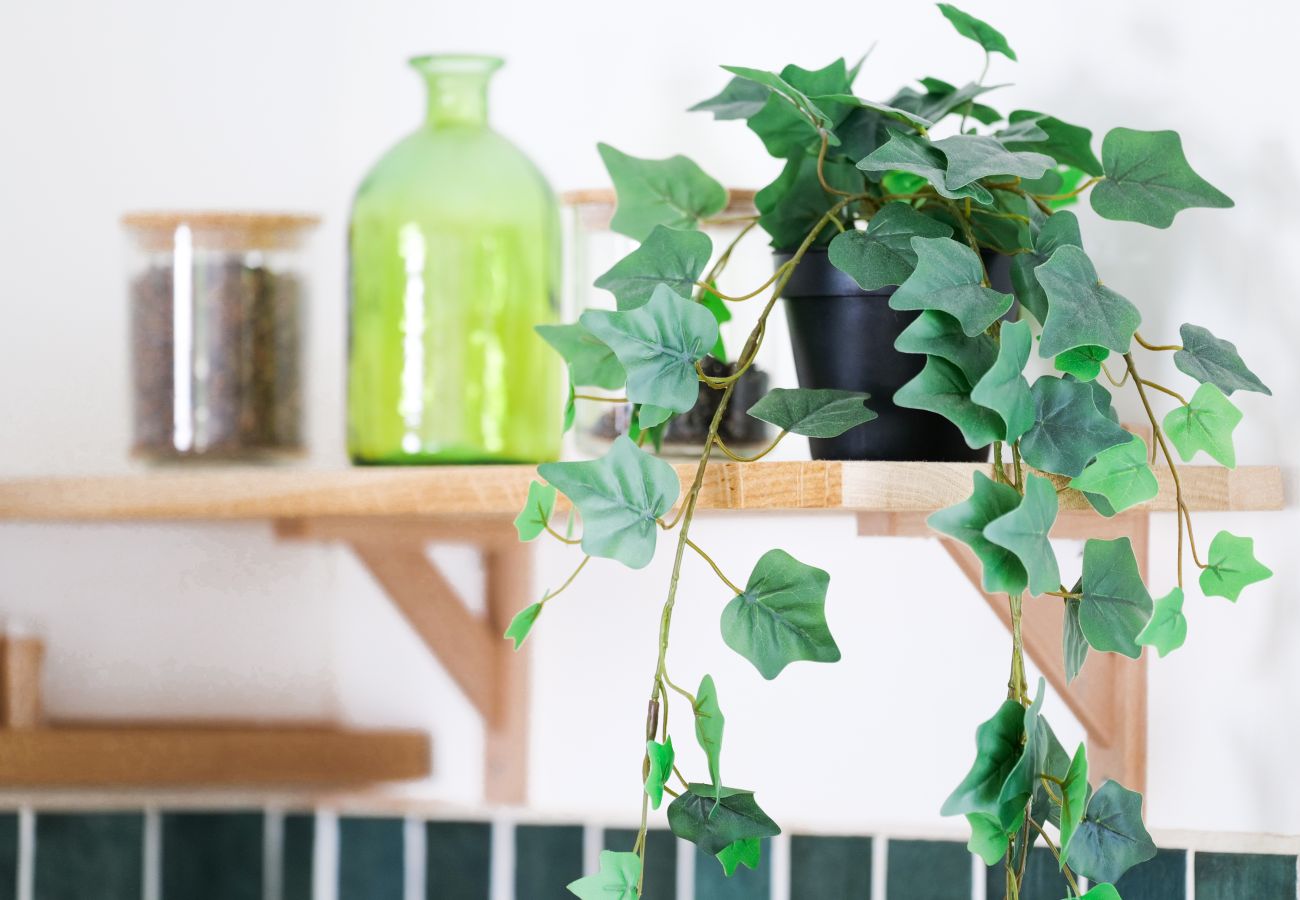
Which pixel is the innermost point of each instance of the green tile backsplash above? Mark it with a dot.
(822, 866)
(1245, 876)
(98, 855)
(212, 856)
(371, 858)
(80, 855)
(457, 860)
(547, 857)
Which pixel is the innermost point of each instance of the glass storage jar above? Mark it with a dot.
(592, 248)
(216, 334)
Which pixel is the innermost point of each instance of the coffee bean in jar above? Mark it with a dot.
(216, 335)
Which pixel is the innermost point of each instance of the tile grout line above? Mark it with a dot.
(979, 878)
(1189, 876)
(879, 866)
(685, 869)
(501, 877)
(26, 853)
(152, 853)
(414, 858)
(781, 885)
(272, 853)
(325, 856)
(593, 841)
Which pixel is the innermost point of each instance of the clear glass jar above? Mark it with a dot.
(592, 248)
(216, 304)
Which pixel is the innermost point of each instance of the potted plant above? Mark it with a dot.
(933, 204)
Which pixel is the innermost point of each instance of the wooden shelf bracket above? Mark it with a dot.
(1109, 697)
(484, 665)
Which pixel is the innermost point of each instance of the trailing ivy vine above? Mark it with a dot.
(896, 205)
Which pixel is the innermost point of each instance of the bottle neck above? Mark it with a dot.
(457, 89)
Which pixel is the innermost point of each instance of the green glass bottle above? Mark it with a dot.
(455, 256)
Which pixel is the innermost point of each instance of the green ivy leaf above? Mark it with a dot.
(781, 616)
(570, 409)
(658, 344)
(1121, 475)
(882, 255)
(1003, 387)
(1115, 606)
(997, 750)
(973, 156)
(649, 416)
(673, 192)
(619, 875)
(1148, 179)
(709, 725)
(1069, 429)
(619, 496)
(949, 277)
(1111, 839)
(792, 95)
(1212, 360)
(1102, 892)
(1024, 532)
(942, 98)
(941, 388)
(1021, 781)
(790, 123)
(980, 32)
(819, 413)
(716, 305)
(522, 624)
(795, 202)
(747, 852)
(668, 256)
(1003, 571)
(1060, 230)
(1231, 566)
(907, 152)
(1081, 311)
(988, 839)
(740, 99)
(1167, 629)
(884, 110)
(532, 519)
(1074, 799)
(661, 758)
(1068, 144)
(1074, 644)
(590, 360)
(1084, 363)
(715, 823)
(939, 334)
(1205, 423)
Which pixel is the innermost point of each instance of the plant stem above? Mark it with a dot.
(599, 399)
(756, 457)
(559, 537)
(1164, 390)
(1065, 870)
(754, 293)
(714, 566)
(1111, 378)
(1137, 337)
(1074, 193)
(1183, 513)
(687, 513)
(821, 161)
(550, 595)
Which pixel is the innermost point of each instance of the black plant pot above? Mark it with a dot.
(843, 337)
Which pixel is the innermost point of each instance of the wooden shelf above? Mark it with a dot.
(192, 755)
(499, 491)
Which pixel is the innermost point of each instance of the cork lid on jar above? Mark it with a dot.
(218, 230)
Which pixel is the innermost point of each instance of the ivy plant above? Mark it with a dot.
(914, 192)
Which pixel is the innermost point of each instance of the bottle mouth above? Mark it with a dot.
(456, 64)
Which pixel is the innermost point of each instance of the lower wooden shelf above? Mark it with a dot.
(175, 756)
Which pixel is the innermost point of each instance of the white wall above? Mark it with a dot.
(166, 104)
